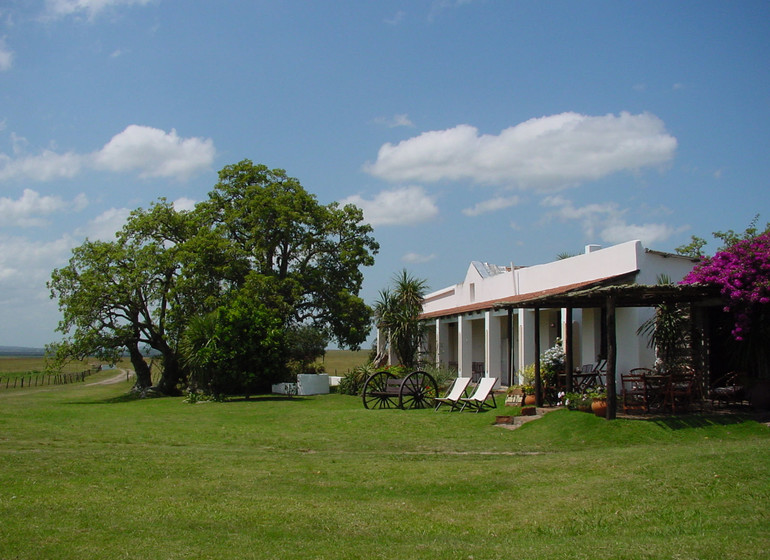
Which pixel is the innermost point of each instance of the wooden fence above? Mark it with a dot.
(40, 379)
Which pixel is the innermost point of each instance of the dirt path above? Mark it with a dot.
(122, 376)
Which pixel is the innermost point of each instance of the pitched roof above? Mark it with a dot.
(628, 295)
(512, 301)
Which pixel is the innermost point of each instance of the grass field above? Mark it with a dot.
(338, 362)
(87, 473)
(20, 365)
(335, 362)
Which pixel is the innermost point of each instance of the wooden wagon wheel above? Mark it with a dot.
(418, 390)
(376, 394)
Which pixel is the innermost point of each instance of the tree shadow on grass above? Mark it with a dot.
(136, 397)
(701, 420)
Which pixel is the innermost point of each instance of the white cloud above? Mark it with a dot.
(104, 226)
(491, 205)
(397, 18)
(28, 209)
(155, 153)
(46, 166)
(608, 222)
(544, 153)
(6, 56)
(416, 258)
(149, 151)
(403, 206)
(184, 204)
(401, 119)
(61, 8)
(26, 265)
(649, 234)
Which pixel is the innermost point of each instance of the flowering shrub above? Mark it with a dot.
(552, 360)
(743, 273)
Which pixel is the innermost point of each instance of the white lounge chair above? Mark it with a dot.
(455, 394)
(478, 400)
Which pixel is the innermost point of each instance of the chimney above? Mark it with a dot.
(592, 248)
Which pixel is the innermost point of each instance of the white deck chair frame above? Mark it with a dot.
(457, 392)
(478, 400)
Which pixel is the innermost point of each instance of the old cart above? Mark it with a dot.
(384, 390)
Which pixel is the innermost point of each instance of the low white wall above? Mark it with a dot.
(312, 384)
(307, 384)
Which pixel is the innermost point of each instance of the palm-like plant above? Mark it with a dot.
(397, 311)
(668, 330)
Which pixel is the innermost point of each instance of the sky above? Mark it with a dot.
(501, 131)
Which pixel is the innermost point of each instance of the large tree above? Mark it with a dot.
(259, 238)
(139, 290)
(300, 257)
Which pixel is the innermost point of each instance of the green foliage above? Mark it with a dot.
(237, 349)
(352, 383)
(304, 345)
(302, 258)
(668, 332)
(397, 312)
(259, 237)
(742, 273)
(728, 238)
(577, 401)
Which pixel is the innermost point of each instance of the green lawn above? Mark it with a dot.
(86, 473)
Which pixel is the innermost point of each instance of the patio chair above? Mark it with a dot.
(680, 390)
(479, 399)
(728, 389)
(634, 390)
(453, 397)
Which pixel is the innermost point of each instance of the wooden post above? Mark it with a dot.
(569, 365)
(538, 378)
(612, 399)
(511, 376)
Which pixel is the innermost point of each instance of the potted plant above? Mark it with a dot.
(527, 375)
(598, 402)
(578, 401)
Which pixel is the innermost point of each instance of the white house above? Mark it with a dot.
(469, 331)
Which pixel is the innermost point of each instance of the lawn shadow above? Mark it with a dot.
(131, 397)
(690, 421)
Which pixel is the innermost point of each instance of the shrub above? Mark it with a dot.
(352, 383)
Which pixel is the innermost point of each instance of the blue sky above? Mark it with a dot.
(492, 130)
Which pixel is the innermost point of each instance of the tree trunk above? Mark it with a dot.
(172, 373)
(142, 370)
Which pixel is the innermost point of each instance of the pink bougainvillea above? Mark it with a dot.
(743, 273)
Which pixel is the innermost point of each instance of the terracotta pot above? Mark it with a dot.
(599, 407)
(530, 399)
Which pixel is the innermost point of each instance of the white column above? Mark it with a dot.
(492, 355)
(526, 344)
(442, 341)
(464, 347)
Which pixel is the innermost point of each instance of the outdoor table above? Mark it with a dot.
(656, 385)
